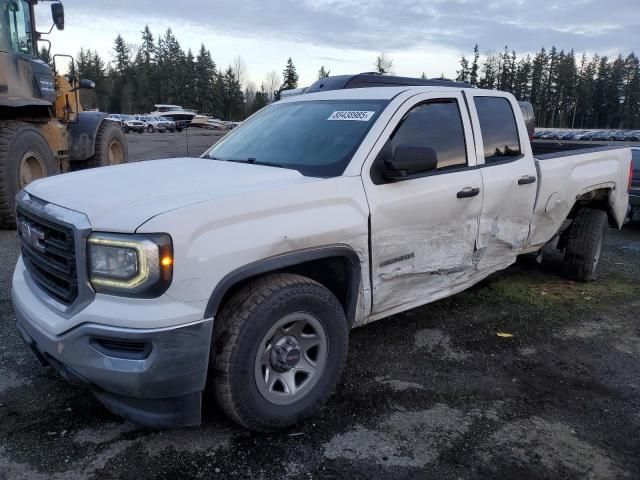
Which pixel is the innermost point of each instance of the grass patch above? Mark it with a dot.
(535, 288)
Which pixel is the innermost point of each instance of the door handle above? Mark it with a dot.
(468, 192)
(526, 180)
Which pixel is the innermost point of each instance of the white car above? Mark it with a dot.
(169, 125)
(128, 122)
(243, 271)
(152, 124)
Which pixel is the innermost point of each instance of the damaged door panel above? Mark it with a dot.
(424, 227)
(510, 181)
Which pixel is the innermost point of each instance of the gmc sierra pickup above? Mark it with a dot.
(241, 273)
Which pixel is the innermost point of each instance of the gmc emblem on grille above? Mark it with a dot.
(31, 235)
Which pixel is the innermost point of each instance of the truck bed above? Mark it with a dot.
(543, 150)
(570, 172)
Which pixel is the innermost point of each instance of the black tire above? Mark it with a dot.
(150, 129)
(584, 242)
(239, 332)
(17, 140)
(109, 137)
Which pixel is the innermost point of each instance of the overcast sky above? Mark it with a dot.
(346, 35)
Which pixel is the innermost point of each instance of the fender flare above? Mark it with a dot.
(83, 135)
(292, 259)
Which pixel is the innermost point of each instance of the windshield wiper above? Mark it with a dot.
(250, 160)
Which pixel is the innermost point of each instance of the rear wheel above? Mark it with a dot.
(111, 148)
(150, 129)
(25, 156)
(279, 348)
(584, 242)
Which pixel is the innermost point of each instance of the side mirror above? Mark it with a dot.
(57, 14)
(410, 160)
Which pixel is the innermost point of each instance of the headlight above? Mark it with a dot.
(130, 265)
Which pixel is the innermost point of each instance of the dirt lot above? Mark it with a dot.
(188, 143)
(432, 393)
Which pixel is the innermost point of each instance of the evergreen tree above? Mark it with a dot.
(207, 99)
(322, 73)
(473, 72)
(384, 65)
(463, 73)
(290, 76)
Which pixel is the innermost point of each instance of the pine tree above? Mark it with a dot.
(322, 73)
(463, 73)
(290, 76)
(631, 103)
(384, 64)
(207, 99)
(473, 72)
(122, 56)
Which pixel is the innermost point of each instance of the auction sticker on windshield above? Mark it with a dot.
(357, 115)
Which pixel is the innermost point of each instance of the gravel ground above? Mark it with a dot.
(431, 393)
(188, 143)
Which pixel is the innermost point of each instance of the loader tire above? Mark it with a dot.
(25, 156)
(585, 239)
(111, 148)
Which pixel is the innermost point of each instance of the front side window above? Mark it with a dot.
(15, 27)
(317, 138)
(498, 127)
(437, 125)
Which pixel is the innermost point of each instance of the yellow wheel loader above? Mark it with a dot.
(43, 128)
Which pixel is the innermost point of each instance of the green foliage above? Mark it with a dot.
(290, 76)
(589, 92)
(322, 73)
(161, 72)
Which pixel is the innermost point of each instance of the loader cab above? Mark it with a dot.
(17, 32)
(25, 80)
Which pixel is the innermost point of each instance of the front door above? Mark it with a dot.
(424, 228)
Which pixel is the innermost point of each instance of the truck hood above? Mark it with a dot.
(121, 198)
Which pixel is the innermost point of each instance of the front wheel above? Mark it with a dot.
(150, 129)
(279, 348)
(584, 242)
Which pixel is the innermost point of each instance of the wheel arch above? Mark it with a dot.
(83, 135)
(337, 268)
(598, 198)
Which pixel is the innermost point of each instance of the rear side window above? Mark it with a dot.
(498, 127)
(437, 125)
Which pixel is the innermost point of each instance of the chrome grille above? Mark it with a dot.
(49, 253)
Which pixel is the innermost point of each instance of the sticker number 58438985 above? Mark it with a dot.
(357, 115)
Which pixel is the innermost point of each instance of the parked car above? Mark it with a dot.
(128, 122)
(586, 135)
(243, 271)
(602, 135)
(170, 125)
(152, 124)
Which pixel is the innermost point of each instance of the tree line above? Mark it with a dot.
(566, 91)
(160, 71)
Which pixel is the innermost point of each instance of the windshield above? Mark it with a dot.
(317, 138)
(15, 27)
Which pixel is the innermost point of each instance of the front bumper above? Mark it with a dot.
(153, 377)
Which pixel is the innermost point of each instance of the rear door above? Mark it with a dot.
(423, 228)
(509, 176)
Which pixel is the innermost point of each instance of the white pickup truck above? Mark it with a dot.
(242, 272)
